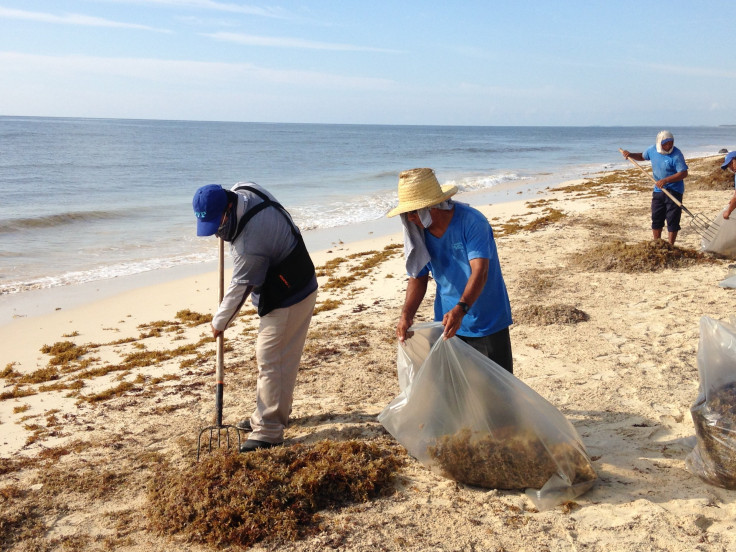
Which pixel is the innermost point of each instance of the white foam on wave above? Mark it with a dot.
(365, 208)
(344, 212)
(104, 272)
(484, 182)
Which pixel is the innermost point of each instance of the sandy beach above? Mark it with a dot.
(94, 397)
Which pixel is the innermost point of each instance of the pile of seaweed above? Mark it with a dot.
(274, 495)
(712, 177)
(715, 428)
(648, 256)
(548, 315)
(508, 459)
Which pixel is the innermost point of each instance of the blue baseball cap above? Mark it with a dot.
(209, 204)
(730, 157)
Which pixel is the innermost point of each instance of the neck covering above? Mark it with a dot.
(415, 248)
(664, 135)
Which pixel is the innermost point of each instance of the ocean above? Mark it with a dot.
(86, 200)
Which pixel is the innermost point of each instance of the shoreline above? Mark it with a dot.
(35, 302)
(38, 300)
(43, 301)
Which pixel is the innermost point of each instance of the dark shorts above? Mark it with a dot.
(496, 346)
(664, 209)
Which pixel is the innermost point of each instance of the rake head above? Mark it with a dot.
(219, 436)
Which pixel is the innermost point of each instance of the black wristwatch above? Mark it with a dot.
(463, 306)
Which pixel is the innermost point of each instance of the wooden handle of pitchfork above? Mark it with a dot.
(220, 375)
(220, 295)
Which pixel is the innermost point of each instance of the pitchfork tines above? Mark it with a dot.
(219, 434)
(707, 229)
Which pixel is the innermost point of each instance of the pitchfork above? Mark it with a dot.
(219, 430)
(700, 223)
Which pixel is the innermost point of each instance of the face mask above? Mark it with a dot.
(226, 231)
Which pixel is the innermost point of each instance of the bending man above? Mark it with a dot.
(271, 263)
(453, 242)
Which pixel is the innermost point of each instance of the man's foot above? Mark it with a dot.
(252, 444)
(244, 424)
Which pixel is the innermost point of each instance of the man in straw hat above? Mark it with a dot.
(455, 243)
(669, 170)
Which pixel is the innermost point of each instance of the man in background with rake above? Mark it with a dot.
(730, 164)
(670, 170)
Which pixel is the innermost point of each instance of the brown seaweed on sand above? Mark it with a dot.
(715, 427)
(648, 256)
(507, 459)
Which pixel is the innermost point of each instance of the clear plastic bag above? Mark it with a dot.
(714, 411)
(465, 417)
(415, 349)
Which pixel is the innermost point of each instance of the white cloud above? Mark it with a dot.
(687, 71)
(214, 6)
(175, 72)
(286, 42)
(72, 19)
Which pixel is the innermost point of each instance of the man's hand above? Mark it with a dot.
(451, 321)
(215, 332)
(415, 290)
(401, 330)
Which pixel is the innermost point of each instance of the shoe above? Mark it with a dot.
(252, 444)
(244, 424)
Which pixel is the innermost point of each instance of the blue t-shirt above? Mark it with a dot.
(468, 236)
(667, 165)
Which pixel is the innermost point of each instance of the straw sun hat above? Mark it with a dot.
(418, 188)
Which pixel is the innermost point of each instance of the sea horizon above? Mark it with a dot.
(421, 125)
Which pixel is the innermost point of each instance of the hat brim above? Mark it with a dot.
(207, 228)
(447, 192)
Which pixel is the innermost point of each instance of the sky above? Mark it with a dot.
(440, 62)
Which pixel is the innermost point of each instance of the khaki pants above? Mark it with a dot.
(281, 337)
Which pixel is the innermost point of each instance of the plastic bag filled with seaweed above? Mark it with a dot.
(714, 411)
(412, 352)
(468, 419)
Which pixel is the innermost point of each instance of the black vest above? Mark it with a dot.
(292, 274)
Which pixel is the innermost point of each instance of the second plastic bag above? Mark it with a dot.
(714, 410)
(465, 417)
(724, 240)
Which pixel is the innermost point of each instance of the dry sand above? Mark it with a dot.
(625, 378)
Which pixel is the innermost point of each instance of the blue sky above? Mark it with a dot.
(387, 62)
